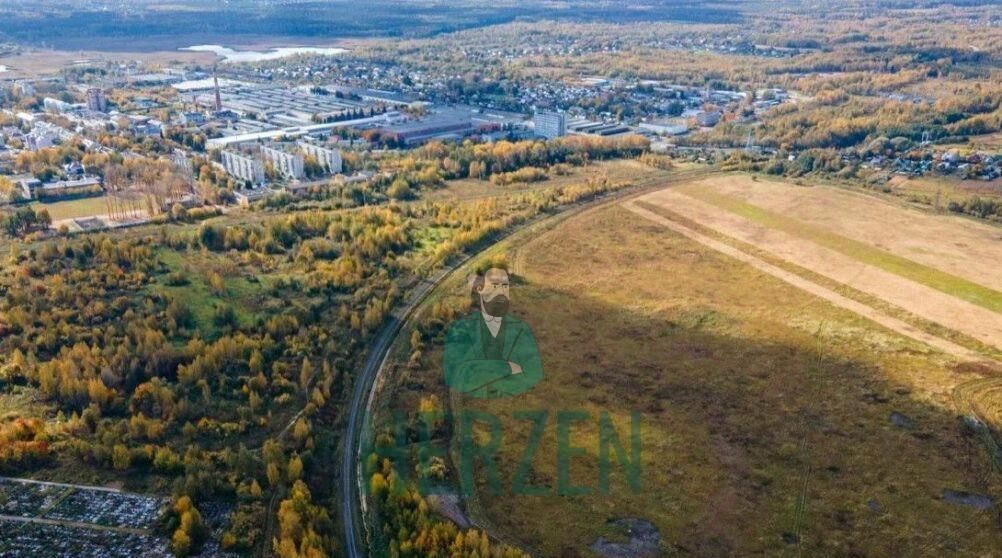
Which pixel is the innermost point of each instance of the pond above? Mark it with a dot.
(232, 55)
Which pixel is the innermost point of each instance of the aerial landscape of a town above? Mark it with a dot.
(510, 279)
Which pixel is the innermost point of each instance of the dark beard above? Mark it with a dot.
(497, 306)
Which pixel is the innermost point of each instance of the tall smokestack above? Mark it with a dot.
(215, 81)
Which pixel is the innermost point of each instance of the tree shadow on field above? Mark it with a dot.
(749, 448)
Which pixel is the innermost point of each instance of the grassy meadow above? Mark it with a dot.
(771, 421)
(208, 282)
(74, 209)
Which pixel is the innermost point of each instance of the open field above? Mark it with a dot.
(73, 209)
(773, 422)
(38, 62)
(22, 401)
(925, 189)
(238, 290)
(805, 284)
(946, 275)
(938, 297)
(861, 224)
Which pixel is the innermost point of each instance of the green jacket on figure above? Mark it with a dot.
(479, 364)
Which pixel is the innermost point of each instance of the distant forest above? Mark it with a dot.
(70, 25)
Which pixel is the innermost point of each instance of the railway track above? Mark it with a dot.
(352, 501)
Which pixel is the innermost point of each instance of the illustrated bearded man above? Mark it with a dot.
(491, 353)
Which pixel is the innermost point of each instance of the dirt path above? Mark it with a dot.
(926, 302)
(76, 524)
(61, 484)
(829, 295)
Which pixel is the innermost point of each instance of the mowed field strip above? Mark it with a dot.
(896, 283)
(861, 224)
(829, 295)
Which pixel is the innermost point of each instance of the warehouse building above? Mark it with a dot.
(444, 125)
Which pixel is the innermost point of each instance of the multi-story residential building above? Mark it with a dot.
(24, 87)
(39, 140)
(149, 128)
(289, 165)
(44, 134)
(96, 101)
(328, 159)
(181, 161)
(243, 167)
(55, 105)
(549, 124)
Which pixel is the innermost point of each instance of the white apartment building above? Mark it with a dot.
(55, 105)
(243, 167)
(289, 165)
(44, 134)
(96, 100)
(329, 159)
(549, 124)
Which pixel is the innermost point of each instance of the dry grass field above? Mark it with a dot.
(939, 297)
(774, 423)
(955, 245)
(926, 189)
(38, 62)
(74, 209)
(938, 268)
(808, 280)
